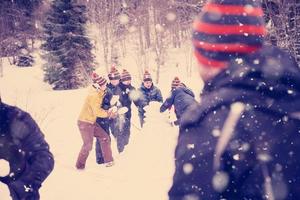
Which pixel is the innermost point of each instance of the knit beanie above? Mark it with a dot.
(175, 83)
(227, 29)
(98, 79)
(147, 76)
(114, 74)
(125, 76)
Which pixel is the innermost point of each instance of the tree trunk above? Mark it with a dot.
(141, 66)
(105, 47)
(146, 22)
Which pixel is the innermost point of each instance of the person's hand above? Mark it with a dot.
(113, 115)
(112, 112)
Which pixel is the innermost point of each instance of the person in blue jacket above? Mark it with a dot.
(148, 92)
(23, 146)
(242, 141)
(126, 99)
(181, 98)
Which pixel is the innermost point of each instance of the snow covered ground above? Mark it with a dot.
(143, 171)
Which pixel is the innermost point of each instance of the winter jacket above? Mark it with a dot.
(243, 141)
(116, 90)
(22, 144)
(148, 95)
(91, 108)
(125, 98)
(181, 98)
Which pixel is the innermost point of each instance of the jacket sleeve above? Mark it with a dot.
(40, 160)
(168, 103)
(95, 105)
(159, 96)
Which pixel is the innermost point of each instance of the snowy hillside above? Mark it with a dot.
(143, 171)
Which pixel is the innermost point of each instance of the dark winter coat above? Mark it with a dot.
(265, 144)
(125, 98)
(104, 122)
(22, 144)
(148, 95)
(115, 90)
(181, 98)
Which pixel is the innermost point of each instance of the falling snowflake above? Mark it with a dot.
(239, 60)
(220, 181)
(191, 146)
(216, 132)
(190, 197)
(171, 16)
(256, 61)
(135, 95)
(236, 157)
(264, 157)
(124, 19)
(248, 8)
(244, 147)
(159, 28)
(188, 168)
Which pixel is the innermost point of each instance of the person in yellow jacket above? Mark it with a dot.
(89, 128)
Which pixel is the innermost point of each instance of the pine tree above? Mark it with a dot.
(18, 28)
(67, 48)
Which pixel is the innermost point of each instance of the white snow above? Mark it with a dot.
(143, 171)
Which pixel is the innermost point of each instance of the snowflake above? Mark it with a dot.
(188, 168)
(171, 16)
(124, 19)
(159, 28)
(220, 181)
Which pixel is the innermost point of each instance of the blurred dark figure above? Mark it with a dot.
(242, 142)
(23, 146)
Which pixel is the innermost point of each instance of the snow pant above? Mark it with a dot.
(122, 135)
(88, 131)
(142, 121)
(126, 131)
(120, 129)
(103, 123)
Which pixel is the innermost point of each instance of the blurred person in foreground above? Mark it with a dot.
(242, 142)
(23, 147)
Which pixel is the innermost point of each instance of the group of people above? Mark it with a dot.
(240, 142)
(100, 116)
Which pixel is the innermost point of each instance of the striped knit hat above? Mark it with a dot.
(226, 29)
(98, 79)
(114, 74)
(125, 76)
(147, 76)
(175, 83)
